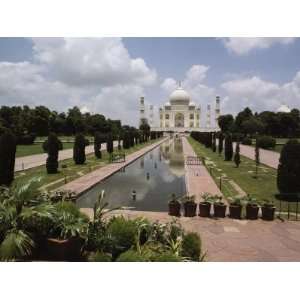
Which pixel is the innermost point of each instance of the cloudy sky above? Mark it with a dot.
(109, 75)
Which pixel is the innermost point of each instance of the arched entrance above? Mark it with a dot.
(179, 120)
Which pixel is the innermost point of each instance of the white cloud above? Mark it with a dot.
(259, 94)
(98, 75)
(169, 85)
(242, 46)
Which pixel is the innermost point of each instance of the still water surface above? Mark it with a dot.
(154, 177)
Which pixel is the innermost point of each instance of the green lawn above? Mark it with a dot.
(71, 172)
(25, 150)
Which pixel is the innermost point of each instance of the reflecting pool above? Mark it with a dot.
(147, 183)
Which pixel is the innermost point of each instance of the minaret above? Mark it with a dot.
(151, 116)
(142, 110)
(208, 116)
(217, 111)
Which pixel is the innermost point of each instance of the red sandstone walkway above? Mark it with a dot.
(89, 180)
(198, 179)
(228, 240)
(267, 157)
(32, 161)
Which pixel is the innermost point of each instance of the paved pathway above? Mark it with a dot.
(197, 178)
(237, 240)
(86, 182)
(31, 161)
(267, 157)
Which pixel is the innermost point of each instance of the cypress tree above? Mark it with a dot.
(288, 171)
(109, 143)
(214, 143)
(126, 144)
(237, 157)
(79, 149)
(257, 159)
(220, 145)
(52, 146)
(228, 147)
(8, 147)
(98, 140)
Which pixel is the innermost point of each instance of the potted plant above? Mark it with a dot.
(268, 211)
(190, 206)
(219, 207)
(251, 208)
(174, 206)
(205, 205)
(235, 208)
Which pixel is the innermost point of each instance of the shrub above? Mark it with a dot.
(98, 140)
(52, 146)
(191, 246)
(7, 157)
(26, 139)
(123, 233)
(220, 145)
(266, 142)
(79, 149)
(131, 256)
(167, 257)
(288, 172)
(99, 257)
(228, 148)
(237, 157)
(247, 141)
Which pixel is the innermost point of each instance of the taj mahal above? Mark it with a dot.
(180, 114)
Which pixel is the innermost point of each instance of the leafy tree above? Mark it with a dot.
(7, 156)
(243, 116)
(52, 146)
(225, 122)
(237, 157)
(252, 125)
(214, 143)
(228, 147)
(145, 128)
(288, 172)
(79, 149)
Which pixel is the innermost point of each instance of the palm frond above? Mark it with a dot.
(16, 245)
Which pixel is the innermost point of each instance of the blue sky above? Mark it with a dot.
(108, 75)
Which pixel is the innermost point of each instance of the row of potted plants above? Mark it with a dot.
(219, 207)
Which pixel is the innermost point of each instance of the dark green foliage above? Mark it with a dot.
(247, 141)
(109, 143)
(131, 256)
(98, 140)
(126, 140)
(99, 257)
(7, 156)
(257, 158)
(79, 149)
(237, 157)
(26, 139)
(191, 246)
(266, 142)
(288, 174)
(52, 146)
(220, 145)
(123, 234)
(214, 143)
(228, 152)
(225, 122)
(167, 257)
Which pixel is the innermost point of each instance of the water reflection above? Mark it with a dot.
(153, 177)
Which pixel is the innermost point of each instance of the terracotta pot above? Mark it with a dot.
(190, 209)
(174, 209)
(252, 212)
(64, 250)
(204, 209)
(235, 211)
(219, 210)
(268, 212)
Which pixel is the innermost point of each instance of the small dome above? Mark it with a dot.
(192, 104)
(179, 97)
(284, 109)
(167, 104)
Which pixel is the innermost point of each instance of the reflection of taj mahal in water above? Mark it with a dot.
(180, 114)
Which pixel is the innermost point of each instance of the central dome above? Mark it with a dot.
(179, 97)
